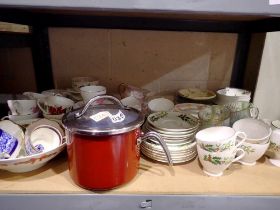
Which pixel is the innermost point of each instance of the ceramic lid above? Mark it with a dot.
(103, 119)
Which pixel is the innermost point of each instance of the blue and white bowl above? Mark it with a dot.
(11, 139)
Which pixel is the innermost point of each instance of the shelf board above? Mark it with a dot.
(239, 8)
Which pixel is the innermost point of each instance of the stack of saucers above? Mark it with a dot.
(177, 130)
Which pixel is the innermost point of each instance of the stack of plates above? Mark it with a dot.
(177, 130)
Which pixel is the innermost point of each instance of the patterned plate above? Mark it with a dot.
(196, 94)
(173, 121)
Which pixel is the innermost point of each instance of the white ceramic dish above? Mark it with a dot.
(30, 163)
(160, 105)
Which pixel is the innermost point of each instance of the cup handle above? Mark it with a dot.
(40, 107)
(242, 138)
(5, 118)
(240, 156)
(157, 137)
(254, 112)
(121, 89)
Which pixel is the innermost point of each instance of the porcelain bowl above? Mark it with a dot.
(30, 163)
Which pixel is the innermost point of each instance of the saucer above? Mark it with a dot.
(274, 162)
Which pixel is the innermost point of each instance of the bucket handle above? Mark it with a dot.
(158, 137)
(112, 98)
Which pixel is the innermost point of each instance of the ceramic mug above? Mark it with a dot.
(242, 109)
(89, 92)
(22, 107)
(214, 163)
(219, 138)
(55, 105)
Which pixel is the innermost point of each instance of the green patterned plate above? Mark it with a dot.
(173, 121)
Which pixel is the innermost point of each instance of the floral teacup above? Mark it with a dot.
(219, 138)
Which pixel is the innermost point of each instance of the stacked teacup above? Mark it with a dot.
(257, 141)
(23, 109)
(54, 107)
(217, 148)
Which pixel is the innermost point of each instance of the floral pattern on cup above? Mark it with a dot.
(8, 144)
(274, 147)
(248, 149)
(217, 147)
(218, 160)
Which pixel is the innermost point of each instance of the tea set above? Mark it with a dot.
(229, 131)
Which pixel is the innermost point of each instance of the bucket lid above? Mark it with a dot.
(102, 119)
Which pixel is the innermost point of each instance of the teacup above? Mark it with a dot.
(214, 163)
(22, 107)
(214, 116)
(219, 138)
(160, 105)
(274, 147)
(55, 105)
(78, 82)
(257, 131)
(89, 92)
(42, 136)
(240, 110)
(253, 152)
(126, 90)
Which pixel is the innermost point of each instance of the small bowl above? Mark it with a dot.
(160, 105)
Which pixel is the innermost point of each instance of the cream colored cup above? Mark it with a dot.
(219, 138)
(214, 163)
(22, 107)
(55, 105)
(89, 92)
(253, 152)
(257, 131)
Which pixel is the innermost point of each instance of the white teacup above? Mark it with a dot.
(257, 131)
(42, 136)
(160, 105)
(89, 92)
(78, 82)
(55, 105)
(34, 96)
(219, 138)
(214, 163)
(22, 107)
(253, 152)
